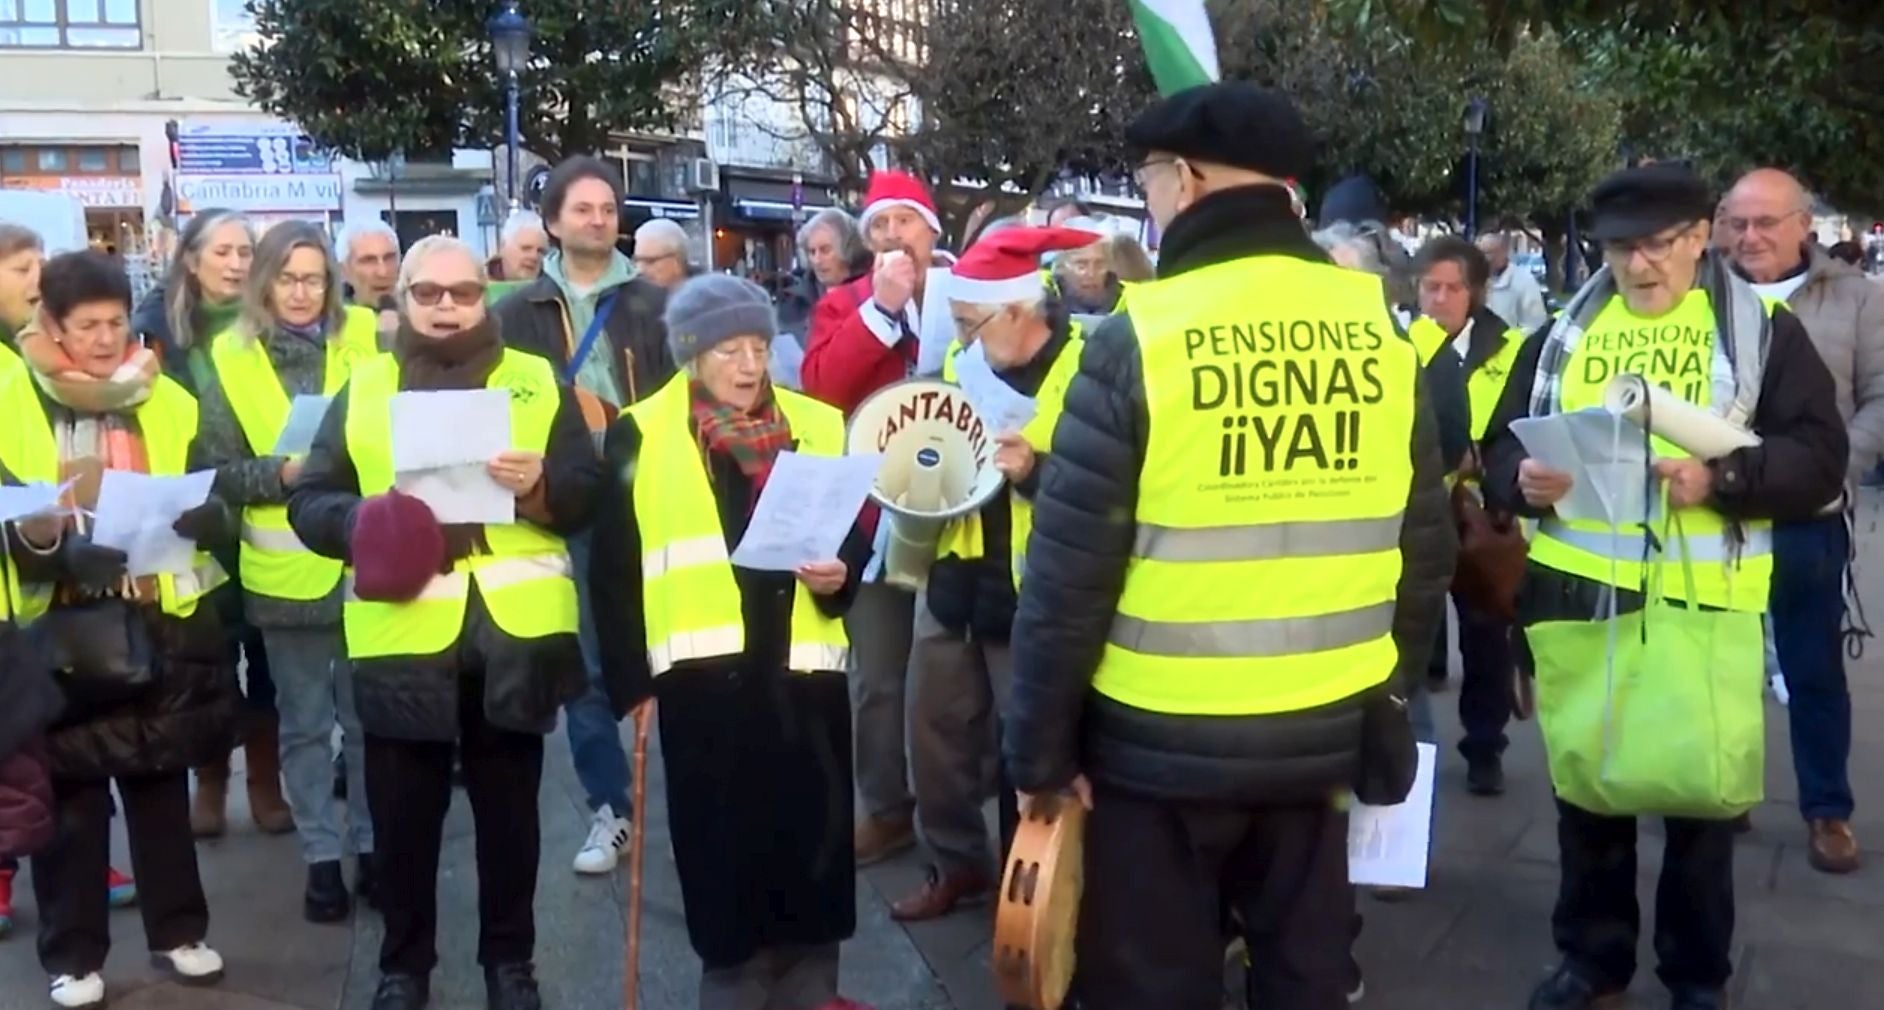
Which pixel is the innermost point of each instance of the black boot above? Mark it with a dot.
(1697, 999)
(1568, 989)
(1485, 776)
(402, 992)
(365, 879)
(326, 899)
(512, 987)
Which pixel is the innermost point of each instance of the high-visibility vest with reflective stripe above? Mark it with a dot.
(1486, 383)
(1428, 338)
(1275, 480)
(274, 561)
(1676, 352)
(690, 597)
(167, 424)
(525, 580)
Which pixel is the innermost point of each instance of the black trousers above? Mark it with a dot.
(1596, 923)
(1158, 874)
(1486, 659)
(408, 787)
(69, 875)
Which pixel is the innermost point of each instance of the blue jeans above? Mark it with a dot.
(594, 732)
(1808, 609)
(314, 690)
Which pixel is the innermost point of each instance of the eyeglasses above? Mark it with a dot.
(311, 283)
(1655, 248)
(966, 333)
(1138, 174)
(464, 295)
(1741, 225)
(729, 353)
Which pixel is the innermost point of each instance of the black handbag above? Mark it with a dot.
(1390, 759)
(99, 650)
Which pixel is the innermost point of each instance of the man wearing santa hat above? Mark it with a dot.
(959, 663)
(865, 335)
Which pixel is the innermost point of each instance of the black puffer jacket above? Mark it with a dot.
(1083, 537)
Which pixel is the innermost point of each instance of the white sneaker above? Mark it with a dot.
(1777, 683)
(78, 993)
(191, 964)
(608, 839)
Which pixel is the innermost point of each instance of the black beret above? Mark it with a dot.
(1232, 123)
(1637, 202)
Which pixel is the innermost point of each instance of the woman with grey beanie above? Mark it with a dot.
(747, 666)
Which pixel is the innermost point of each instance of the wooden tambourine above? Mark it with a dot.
(1039, 905)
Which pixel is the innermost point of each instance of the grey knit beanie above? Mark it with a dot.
(713, 308)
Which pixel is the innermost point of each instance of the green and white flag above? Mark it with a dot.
(1178, 41)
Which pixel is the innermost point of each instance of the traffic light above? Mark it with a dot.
(170, 135)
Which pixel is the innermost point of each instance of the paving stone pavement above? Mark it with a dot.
(1477, 939)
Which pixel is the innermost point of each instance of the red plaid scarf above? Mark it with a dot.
(752, 438)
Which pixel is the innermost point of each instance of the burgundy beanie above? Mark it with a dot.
(397, 547)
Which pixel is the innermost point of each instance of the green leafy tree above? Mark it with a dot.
(370, 78)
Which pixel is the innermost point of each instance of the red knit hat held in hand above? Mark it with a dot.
(897, 189)
(397, 548)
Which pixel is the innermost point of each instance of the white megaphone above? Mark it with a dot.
(938, 465)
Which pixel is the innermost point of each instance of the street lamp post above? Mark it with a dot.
(510, 44)
(1475, 111)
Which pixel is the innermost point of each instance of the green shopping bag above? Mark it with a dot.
(1658, 712)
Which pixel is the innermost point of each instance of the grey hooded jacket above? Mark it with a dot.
(1843, 312)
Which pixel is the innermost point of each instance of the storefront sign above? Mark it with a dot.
(260, 192)
(90, 190)
(248, 149)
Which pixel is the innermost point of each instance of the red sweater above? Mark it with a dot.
(844, 361)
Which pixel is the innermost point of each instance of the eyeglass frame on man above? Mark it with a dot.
(1654, 248)
(431, 293)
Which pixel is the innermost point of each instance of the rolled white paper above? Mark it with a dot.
(1667, 416)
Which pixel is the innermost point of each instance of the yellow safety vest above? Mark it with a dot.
(525, 580)
(274, 561)
(1428, 338)
(167, 424)
(966, 537)
(690, 597)
(1281, 405)
(1676, 352)
(1485, 386)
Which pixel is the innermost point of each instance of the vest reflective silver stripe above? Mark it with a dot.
(280, 541)
(814, 656)
(1268, 541)
(1281, 636)
(726, 640)
(1627, 546)
(206, 576)
(501, 574)
(689, 553)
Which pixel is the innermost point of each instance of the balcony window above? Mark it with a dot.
(93, 159)
(52, 159)
(69, 24)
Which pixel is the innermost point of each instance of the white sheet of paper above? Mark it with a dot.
(21, 501)
(305, 415)
(1003, 409)
(808, 505)
(449, 428)
(1389, 846)
(134, 515)
(460, 494)
(1609, 477)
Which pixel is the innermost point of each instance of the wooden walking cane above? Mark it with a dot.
(631, 967)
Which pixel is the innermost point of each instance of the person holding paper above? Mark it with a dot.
(150, 691)
(294, 338)
(747, 666)
(1676, 617)
(460, 636)
(1026, 344)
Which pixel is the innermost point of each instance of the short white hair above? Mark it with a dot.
(662, 232)
(432, 245)
(517, 223)
(354, 232)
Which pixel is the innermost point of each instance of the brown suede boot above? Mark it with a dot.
(207, 813)
(263, 751)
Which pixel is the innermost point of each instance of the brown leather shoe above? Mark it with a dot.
(879, 838)
(1834, 849)
(208, 810)
(942, 894)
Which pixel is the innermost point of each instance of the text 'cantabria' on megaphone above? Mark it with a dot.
(938, 465)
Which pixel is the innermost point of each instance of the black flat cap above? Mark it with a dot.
(1232, 123)
(1636, 202)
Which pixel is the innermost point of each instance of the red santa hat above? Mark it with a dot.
(1005, 266)
(898, 189)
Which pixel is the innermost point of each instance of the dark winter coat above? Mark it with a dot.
(1798, 466)
(526, 682)
(185, 719)
(1082, 542)
(29, 702)
(535, 318)
(757, 758)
